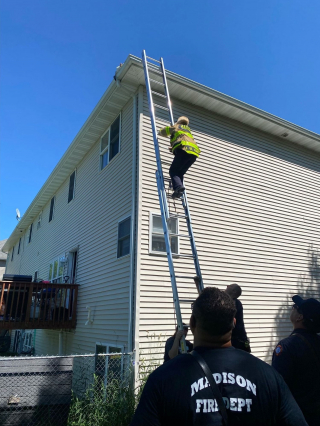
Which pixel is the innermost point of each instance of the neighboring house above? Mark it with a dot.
(254, 202)
(3, 259)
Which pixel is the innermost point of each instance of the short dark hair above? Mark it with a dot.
(214, 311)
(237, 290)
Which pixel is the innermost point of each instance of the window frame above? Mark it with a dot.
(54, 279)
(74, 186)
(107, 346)
(151, 233)
(107, 148)
(39, 220)
(130, 236)
(30, 233)
(12, 254)
(19, 246)
(52, 208)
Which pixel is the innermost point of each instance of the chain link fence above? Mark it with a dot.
(79, 390)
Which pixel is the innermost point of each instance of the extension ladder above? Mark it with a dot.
(157, 67)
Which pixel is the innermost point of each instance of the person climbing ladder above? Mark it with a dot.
(185, 151)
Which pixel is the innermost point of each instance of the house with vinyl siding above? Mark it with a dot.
(254, 200)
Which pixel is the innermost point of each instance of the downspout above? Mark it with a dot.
(133, 223)
(138, 235)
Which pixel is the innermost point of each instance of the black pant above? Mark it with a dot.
(181, 163)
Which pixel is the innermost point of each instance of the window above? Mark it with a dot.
(19, 246)
(157, 243)
(12, 254)
(51, 209)
(110, 143)
(108, 366)
(36, 274)
(124, 237)
(39, 221)
(56, 269)
(30, 233)
(72, 182)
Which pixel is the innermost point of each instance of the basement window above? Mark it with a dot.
(157, 241)
(107, 365)
(110, 143)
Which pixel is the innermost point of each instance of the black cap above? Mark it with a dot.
(310, 309)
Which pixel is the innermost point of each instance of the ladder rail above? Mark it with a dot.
(192, 240)
(154, 128)
(167, 91)
(171, 266)
(165, 214)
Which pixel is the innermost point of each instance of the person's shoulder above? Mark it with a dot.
(176, 364)
(287, 344)
(238, 303)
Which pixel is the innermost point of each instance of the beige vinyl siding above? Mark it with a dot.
(254, 202)
(88, 223)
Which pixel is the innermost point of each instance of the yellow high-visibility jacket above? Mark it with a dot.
(181, 137)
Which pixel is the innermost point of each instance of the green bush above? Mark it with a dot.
(112, 404)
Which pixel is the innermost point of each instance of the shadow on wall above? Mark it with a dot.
(308, 285)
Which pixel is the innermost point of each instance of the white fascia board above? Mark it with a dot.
(79, 147)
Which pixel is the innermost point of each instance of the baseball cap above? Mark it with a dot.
(310, 309)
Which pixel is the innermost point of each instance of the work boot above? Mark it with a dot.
(176, 194)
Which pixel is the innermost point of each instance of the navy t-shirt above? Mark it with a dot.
(239, 332)
(169, 344)
(177, 393)
(299, 365)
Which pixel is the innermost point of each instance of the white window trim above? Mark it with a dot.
(160, 253)
(108, 148)
(131, 236)
(52, 261)
(53, 210)
(39, 220)
(107, 345)
(30, 236)
(74, 186)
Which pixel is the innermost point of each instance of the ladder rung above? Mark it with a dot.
(155, 60)
(155, 81)
(186, 300)
(166, 162)
(179, 216)
(167, 179)
(184, 277)
(190, 256)
(159, 94)
(161, 107)
(182, 235)
(155, 71)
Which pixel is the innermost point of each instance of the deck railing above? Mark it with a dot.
(25, 305)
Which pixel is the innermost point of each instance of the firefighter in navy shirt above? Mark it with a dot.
(297, 358)
(172, 348)
(178, 393)
(239, 337)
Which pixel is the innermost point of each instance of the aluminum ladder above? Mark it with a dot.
(156, 67)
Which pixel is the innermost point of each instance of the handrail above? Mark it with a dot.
(28, 305)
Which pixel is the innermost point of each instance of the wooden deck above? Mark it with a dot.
(25, 305)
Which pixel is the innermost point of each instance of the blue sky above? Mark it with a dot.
(59, 56)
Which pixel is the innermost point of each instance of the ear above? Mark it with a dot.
(193, 323)
(234, 323)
